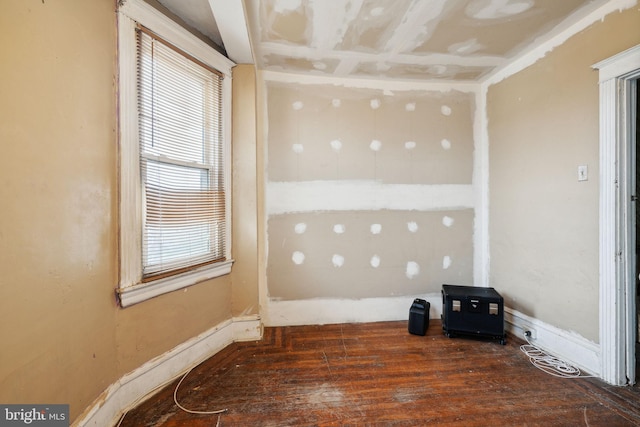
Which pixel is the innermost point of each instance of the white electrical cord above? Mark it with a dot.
(175, 400)
(550, 364)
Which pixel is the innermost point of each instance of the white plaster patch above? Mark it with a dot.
(336, 102)
(297, 148)
(411, 106)
(375, 145)
(376, 228)
(375, 261)
(495, 9)
(447, 221)
(377, 11)
(339, 228)
(281, 6)
(438, 70)
(410, 145)
(336, 145)
(466, 47)
(337, 260)
(375, 103)
(300, 228)
(413, 269)
(446, 144)
(345, 195)
(297, 257)
(297, 105)
(412, 226)
(446, 110)
(319, 65)
(446, 262)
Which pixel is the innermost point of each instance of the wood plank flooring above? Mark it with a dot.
(378, 374)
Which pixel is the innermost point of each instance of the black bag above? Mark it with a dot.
(419, 317)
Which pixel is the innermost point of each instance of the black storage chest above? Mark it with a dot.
(470, 310)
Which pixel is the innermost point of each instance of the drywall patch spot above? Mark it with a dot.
(336, 102)
(286, 5)
(375, 145)
(297, 257)
(446, 144)
(377, 11)
(413, 269)
(446, 262)
(466, 47)
(336, 145)
(376, 228)
(375, 261)
(412, 226)
(411, 106)
(410, 145)
(297, 148)
(495, 9)
(447, 221)
(446, 110)
(437, 70)
(297, 105)
(319, 65)
(339, 228)
(375, 103)
(337, 260)
(300, 228)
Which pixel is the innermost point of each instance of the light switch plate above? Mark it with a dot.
(583, 173)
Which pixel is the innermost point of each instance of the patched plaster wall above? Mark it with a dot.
(369, 190)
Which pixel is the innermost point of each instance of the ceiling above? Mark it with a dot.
(426, 40)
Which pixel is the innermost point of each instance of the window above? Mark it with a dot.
(174, 156)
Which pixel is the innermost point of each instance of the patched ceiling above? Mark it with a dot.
(427, 40)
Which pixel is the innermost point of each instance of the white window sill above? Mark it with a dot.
(134, 294)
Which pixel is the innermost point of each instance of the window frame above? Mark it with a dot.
(131, 288)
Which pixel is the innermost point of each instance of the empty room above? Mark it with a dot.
(273, 212)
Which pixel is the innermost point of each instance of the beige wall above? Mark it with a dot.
(64, 339)
(245, 193)
(543, 123)
(370, 145)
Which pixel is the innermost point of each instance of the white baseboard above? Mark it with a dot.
(326, 311)
(568, 346)
(134, 387)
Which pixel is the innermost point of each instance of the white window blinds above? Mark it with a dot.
(181, 159)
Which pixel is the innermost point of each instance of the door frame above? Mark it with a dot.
(617, 80)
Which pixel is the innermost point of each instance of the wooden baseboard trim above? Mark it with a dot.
(568, 346)
(141, 383)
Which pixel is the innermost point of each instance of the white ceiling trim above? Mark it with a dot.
(233, 26)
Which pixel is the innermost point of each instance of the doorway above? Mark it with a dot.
(618, 82)
(636, 144)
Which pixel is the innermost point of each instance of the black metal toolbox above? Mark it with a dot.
(470, 310)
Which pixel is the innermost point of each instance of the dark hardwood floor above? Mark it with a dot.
(379, 374)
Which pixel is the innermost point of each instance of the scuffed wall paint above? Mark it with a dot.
(369, 191)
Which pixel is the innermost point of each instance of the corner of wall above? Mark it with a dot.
(143, 382)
